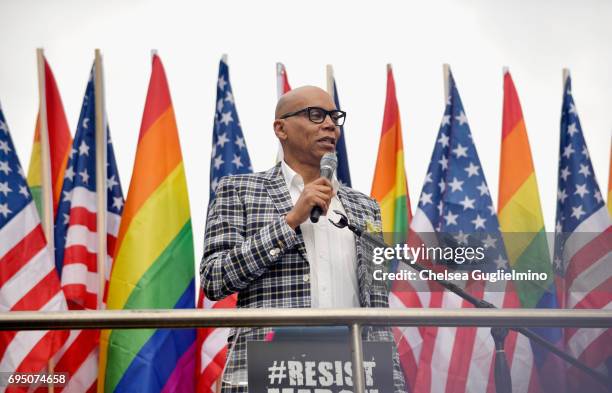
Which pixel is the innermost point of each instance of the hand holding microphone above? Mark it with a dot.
(316, 197)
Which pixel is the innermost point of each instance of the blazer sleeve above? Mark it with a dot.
(231, 261)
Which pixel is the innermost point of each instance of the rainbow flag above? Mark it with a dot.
(60, 142)
(389, 186)
(154, 265)
(522, 225)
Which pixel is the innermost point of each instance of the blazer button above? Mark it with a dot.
(306, 277)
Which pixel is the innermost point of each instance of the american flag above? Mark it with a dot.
(229, 157)
(583, 245)
(28, 280)
(76, 241)
(456, 206)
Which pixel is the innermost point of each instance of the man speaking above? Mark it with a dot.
(261, 242)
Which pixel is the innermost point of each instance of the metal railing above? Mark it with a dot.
(354, 318)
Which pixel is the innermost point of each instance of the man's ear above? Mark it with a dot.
(279, 129)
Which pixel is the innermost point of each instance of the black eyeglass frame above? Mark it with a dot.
(327, 113)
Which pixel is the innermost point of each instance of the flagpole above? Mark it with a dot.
(279, 79)
(329, 70)
(101, 202)
(566, 73)
(445, 75)
(47, 187)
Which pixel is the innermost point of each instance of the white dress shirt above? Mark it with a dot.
(330, 252)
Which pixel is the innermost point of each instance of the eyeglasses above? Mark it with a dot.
(317, 115)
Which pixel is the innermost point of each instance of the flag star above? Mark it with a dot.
(489, 242)
(461, 118)
(442, 185)
(72, 152)
(20, 171)
(467, 203)
(214, 183)
(450, 218)
(456, 185)
(226, 118)
(218, 162)
(585, 151)
(84, 176)
(565, 172)
(4, 147)
(4, 167)
(462, 238)
(4, 210)
(558, 227)
(229, 97)
(500, 262)
(4, 188)
(84, 149)
(425, 198)
(472, 170)
(23, 190)
(558, 263)
(460, 151)
(597, 196)
(428, 178)
(443, 140)
(236, 161)
(67, 196)
(484, 190)
(222, 140)
(584, 170)
(572, 129)
(569, 92)
(491, 209)
(86, 123)
(219, 105)
(561, 195)
(117, 203)
(444, 162)
(69, 174)
(449, 99)
(581, 189)
(440, 207)
(111, 182)
(240, 142)
(479, 222)
(222, 82)
(572, 108)
(3, 127)
(66, 219)
(568, 151)
(578, 212)
(445, 122)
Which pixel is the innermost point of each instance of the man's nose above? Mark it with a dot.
(328, 123)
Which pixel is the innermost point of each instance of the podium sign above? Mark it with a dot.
(316, 367)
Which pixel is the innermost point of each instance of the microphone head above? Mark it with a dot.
(329, 163)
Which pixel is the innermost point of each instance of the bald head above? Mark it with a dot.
(301, 97)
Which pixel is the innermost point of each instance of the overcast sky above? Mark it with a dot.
(536, 39)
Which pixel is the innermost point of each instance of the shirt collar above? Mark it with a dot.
(293, 178)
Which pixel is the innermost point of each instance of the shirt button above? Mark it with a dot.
(306, 277)
(274, 252)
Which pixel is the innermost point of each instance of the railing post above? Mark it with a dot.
(357, 359)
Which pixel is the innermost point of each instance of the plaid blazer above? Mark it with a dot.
(250, 249)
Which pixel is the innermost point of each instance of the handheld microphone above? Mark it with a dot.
(329, 163)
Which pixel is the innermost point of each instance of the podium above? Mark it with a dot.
(315, 360)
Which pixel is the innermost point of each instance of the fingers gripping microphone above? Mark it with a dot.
(329, 162)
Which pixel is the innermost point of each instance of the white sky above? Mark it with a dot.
(534, 38)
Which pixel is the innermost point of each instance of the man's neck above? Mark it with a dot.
(308, 172)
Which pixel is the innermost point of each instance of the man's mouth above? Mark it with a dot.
(328, 141)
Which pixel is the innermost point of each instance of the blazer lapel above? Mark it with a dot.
(278, 192)
(355, 216)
